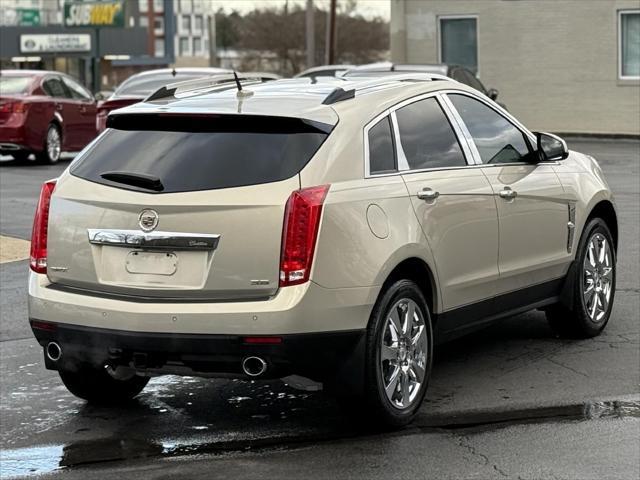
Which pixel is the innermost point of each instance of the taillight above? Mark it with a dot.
(101, 120)
(40, 227)
(301, 224)
(14, 107)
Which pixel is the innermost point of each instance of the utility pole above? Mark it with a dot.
(213, 50)
(311, 35)
(332, 33)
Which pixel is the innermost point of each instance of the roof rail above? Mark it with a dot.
(205, 83)
(361, 83)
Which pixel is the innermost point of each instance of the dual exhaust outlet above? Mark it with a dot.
(251, 366)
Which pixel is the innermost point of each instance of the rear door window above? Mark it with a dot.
(382, 158)
(187, 153)
(427, 138)
(54, 88)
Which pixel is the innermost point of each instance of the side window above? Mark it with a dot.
(427, 138)
(382, 158)
(78, 92)
(54, 88)
(497, 139)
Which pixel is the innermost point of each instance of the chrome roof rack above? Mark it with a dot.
(202, 85)
(362, 83)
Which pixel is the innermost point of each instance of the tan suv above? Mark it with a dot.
(332, 230)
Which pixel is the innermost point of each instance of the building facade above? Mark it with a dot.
(562, 66)
(192, 32)
(100, 42)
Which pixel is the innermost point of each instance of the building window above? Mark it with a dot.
(459, 41)
(158, 6)
(184, 46)
(629, 44)
(197, 45)
(143, 6)
(185, 6)
(159, 47)
(144, 21)
(198, 23)
(158, 25)
(186, 23)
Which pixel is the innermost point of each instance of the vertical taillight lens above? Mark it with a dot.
(301, 224)
(40, 227)
(101, 120)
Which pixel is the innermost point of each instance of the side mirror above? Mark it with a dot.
(551, 147)
(492, 93)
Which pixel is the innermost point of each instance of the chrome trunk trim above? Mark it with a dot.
(153, 240)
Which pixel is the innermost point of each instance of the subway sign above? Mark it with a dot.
(94, 14)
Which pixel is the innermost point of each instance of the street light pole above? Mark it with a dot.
(332, 33)
(311, 47)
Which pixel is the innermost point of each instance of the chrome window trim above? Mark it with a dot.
(153, 240)
(471, 151)
(453, 121)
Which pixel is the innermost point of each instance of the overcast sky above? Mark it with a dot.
(368, 8)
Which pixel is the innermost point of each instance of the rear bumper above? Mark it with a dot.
(322, 329)
(319, 356)
(13, 138)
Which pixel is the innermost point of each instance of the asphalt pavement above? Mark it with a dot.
(512, 401)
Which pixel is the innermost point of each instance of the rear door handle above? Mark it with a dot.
(428, 194)
(507, 193)
(58, 107)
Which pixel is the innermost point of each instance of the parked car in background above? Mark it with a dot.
(334, 230)
(44, 113)
(457, 72)
(139, 86)
(324, 71)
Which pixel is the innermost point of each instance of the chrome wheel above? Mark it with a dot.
(53, 144)
(403, 353)
(597, 278)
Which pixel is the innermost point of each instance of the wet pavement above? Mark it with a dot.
(495, 389)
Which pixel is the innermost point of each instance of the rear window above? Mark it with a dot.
(187, 153)
(14, 85)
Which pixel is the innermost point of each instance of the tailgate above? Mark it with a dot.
(218, 244)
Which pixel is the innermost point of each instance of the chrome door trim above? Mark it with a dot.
(153, 240)
(474, 154)
(403, 164)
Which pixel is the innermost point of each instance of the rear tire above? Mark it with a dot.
(594, 286)
(95, 385)
(399, 355)
(52, 146)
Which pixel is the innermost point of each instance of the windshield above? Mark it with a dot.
(186, 153)
(14, 85)
(141, 87)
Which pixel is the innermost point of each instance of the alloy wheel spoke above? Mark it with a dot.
(409, 318)
(391, 387)
(416, 338)
(394, 324)
(591, 256)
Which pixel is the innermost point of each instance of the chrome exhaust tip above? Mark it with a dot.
(254, 366)
(53, 351)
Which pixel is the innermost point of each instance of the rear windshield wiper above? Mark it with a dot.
(141, 180)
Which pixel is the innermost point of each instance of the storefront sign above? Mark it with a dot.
(94, 14)
(28, 17)
(64, 42)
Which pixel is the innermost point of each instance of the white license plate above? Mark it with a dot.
(152, 263)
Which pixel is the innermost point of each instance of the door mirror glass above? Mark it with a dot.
(492, 93)
(551, 147)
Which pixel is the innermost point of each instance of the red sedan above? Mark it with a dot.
(44, 113)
